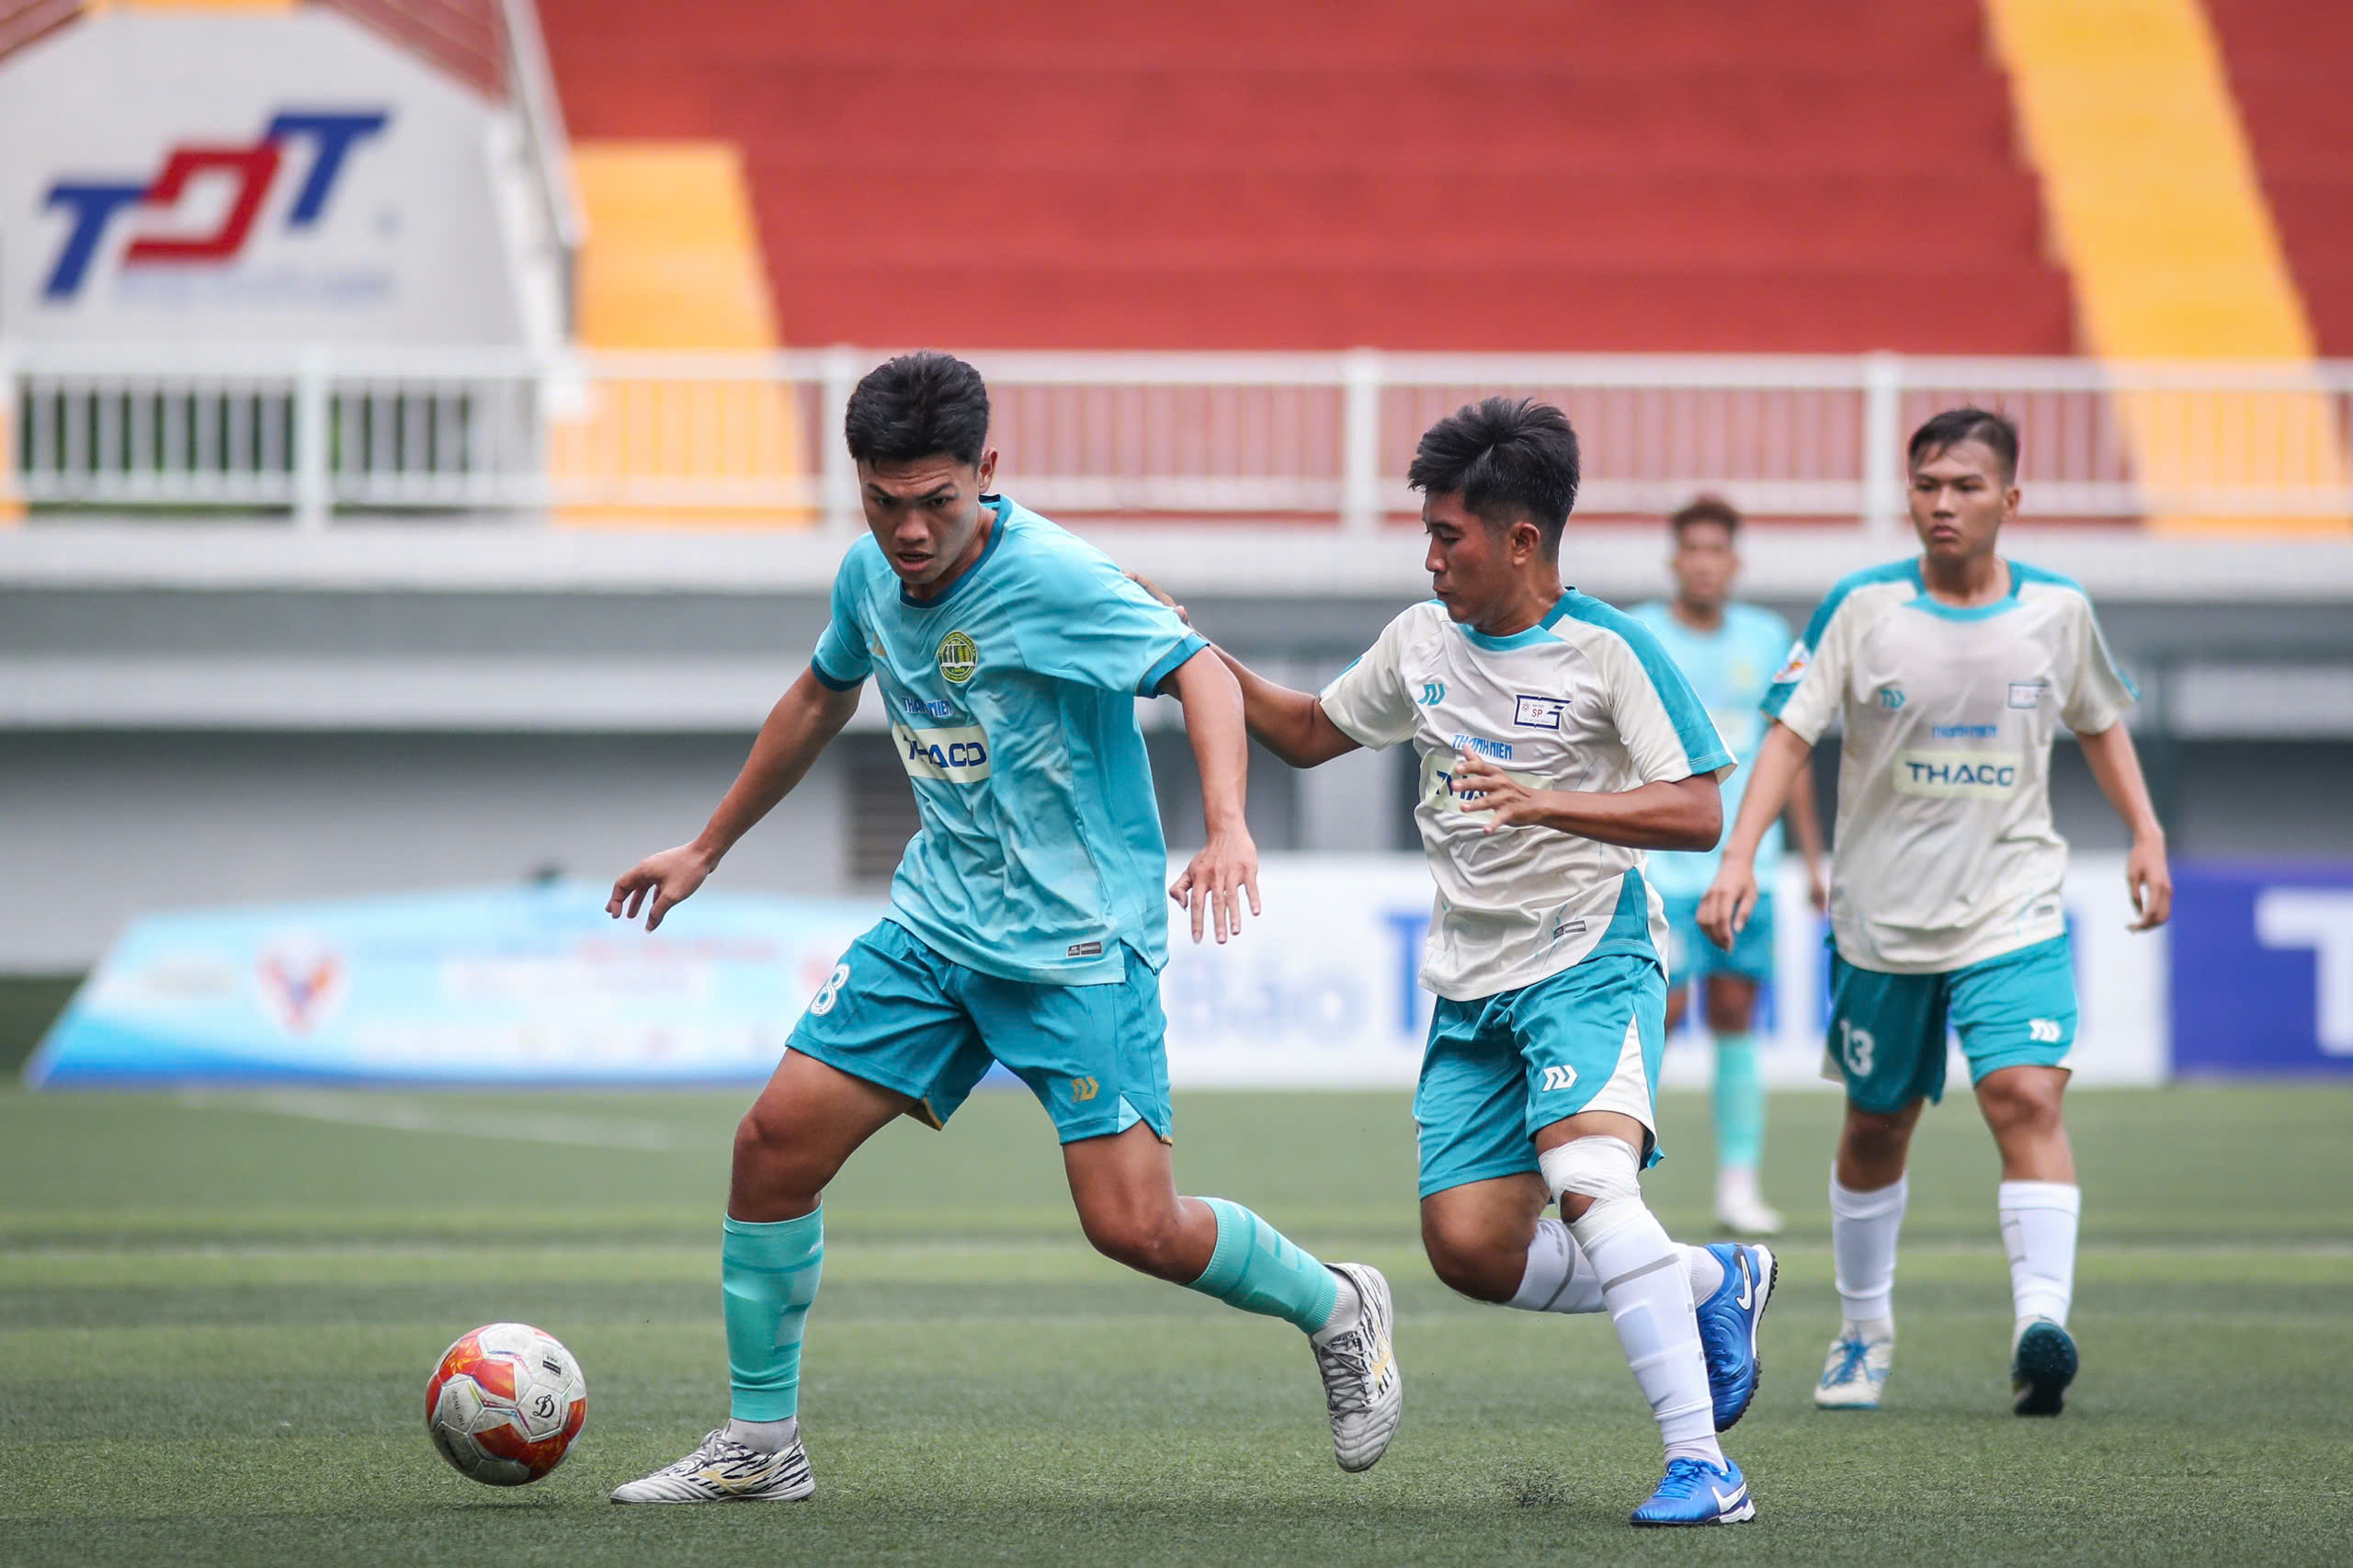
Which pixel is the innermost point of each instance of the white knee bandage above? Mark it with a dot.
(1598, 1167)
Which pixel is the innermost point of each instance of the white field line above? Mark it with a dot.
(401, 1114)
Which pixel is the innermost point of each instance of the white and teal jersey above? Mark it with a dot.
(1584, 700)
(1945, 854)
(1730, 669)
(1012, 707)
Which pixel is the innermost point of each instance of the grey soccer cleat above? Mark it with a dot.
(724, 1471)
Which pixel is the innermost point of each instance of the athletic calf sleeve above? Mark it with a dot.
(1561, 1278)
(1739, 1102)
(2039, 1221)
(767, 1275)
(1863, 1228)
(1259, 1269)
(1645, 1287)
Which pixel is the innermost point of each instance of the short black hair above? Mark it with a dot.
(1509, 458)
(1705, 509)
(1949, 429)
(918, 406)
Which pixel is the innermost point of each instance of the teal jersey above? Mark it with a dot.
(1012, 707)
(1730, 668)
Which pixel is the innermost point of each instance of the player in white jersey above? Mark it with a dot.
(1951, 672)
(1729, 651)
(1557, 743)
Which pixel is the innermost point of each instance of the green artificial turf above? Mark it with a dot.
(217, 1316)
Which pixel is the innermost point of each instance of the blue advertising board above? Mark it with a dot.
(2262, 970)
(522, 985)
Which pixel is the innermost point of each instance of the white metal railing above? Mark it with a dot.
(317, 433)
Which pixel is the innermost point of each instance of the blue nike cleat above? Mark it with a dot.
(1697, 1494)
(1728, 1322)
(2042, 1363)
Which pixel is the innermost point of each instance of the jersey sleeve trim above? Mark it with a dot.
(1703, 749)
(833, 682)
(1191, 643)
(1792, 670)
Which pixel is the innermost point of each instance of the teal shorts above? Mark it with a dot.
(895, 1013)
(1498, 1069)
(1887, 1031)
(1691, 956)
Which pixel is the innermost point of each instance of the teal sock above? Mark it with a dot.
(768, 1275)
(1739, 1104)
(1259, 1269)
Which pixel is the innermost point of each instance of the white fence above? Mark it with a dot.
(318, 434)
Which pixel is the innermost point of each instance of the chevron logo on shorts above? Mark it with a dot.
(1085, 1089)
(1560, 1078)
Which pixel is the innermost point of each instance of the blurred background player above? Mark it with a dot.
(1951, 672)
(1540, 1075)
(1728, 651)
(1024, 924)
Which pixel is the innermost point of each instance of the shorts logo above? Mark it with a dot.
(1085, 1089)
(1538, 712)
(1084, 950)
(2027, 693)
(1556, 1078)
(959, 657)
(1891, 697)
(952, 754)
(2042, 1031)
(1958, 775)
(1433, 693)
(1794, 666)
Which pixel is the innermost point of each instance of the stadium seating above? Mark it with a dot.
(2286, 63)
(1528, 175)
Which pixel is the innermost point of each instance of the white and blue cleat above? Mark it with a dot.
(1696, 1492)
(1856, 1371)
(1728, 1322)
(2042, 1363)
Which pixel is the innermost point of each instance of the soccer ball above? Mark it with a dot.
(505, 1403)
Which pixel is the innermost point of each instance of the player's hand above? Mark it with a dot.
(1504, 801)
(1157, 592)
(2150, 881)
(1730, 900)
(1817, 886)
(1212, 886)
(671, 877)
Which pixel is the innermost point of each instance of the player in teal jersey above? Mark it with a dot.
(1024, 924)
(1729, 651)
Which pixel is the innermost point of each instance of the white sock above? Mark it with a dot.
(1561, 1278)
(1647, 1287)
(1346, 1307)
(768, 1437)
(1863, 1226)
(2038, 1231)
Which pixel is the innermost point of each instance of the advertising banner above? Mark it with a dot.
(502, 986)
(2262, 969)
(1321, 990)
(537, 985)
(197, 175)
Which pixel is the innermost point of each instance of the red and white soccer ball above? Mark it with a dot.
(506, 1404)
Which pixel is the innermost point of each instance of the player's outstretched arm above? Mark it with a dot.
(1291, 724)
(804, 720)
(1725, 908)
(2117, 768)
(1227, 867)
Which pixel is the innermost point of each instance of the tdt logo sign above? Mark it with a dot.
(2263, 969)
(91, 206)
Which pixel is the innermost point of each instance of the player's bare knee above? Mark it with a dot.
(1472, 1261)
(2021, 1102)
(1876, 1138)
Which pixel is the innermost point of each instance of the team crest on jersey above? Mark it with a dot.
(1538, 712)
(959, 656)
(1794, 666)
